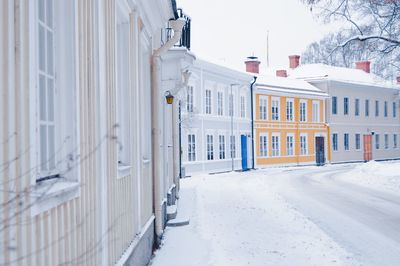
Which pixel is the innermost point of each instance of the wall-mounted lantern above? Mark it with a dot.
(169, 97)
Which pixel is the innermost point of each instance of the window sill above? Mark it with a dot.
(124, 171)
(51, 193)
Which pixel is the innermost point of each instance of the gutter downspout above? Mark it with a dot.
(177, 26)
(252, 121)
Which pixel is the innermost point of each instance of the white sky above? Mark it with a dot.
(227, 31)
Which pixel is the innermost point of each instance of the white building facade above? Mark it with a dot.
(216, 120)
(362, 112)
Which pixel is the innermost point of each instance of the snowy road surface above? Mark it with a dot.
(332, 215)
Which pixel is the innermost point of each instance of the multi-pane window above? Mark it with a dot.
(395, 141)
(263, 103)
(357, 107)
(346, 105)
(394, 109)
(263, 145)
(289, 145)
(385, 109)
(303, 144)
(289, 110)
(210, 147)
(47, 91)
(191, 148)
(315, 111)
(275, 108)
(221, 146)
(275, 145)
(366, 107)
(386, 137)
(377, 141)
(231, 111)
(376, 108)
(233, 146)
(189, 99)
(346, 141)
(242, 106)
(220, 103)
(358, 141)
(334, 105)
(303, 111)
(208, 101)
(335, 141)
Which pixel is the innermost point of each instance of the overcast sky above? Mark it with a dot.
(230, 30)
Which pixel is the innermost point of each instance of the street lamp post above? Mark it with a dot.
(231, 114)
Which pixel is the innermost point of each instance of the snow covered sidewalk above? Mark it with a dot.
(239, 219)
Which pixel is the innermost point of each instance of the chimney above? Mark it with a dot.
(398, 80)
(294, 61)
(364, 65)
(252, 65)
(281, 73)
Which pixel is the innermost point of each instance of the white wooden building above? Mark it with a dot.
(81, 178)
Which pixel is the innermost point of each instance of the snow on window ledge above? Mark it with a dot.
(52, 193)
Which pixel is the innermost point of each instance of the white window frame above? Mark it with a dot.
(385, 109)
(220, 103)
(394, 109)
(334, 105)
(208, 101)
(290, 144)
(263, 106)
(275, 144)
(346, 105)
(303, 112)
(346, 144)
(275, 108)
(386, 141)
(303, 144)
(335, 145)
(357, 107)
(231, 104)
(289, 110)
(232, 146)
(190, 99)
(357, 141)
(377, 141)
(263, 145)
(222, 150)
(191, 147)
(210, 147)
(242, 106)
(315, 111)
(376, 108)
(366, 108)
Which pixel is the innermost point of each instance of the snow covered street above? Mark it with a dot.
(333, 215)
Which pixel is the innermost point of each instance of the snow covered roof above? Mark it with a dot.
(351, 75)
(288, 85)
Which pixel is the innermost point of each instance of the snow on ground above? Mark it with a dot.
(239, 219)
(383, 176)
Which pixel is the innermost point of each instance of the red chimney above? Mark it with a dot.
(364, 65)
(281, 73)
(398, 80)
(294, 61)
(252, 65)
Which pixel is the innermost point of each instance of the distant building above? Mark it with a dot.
(362, 111)
(216, 119)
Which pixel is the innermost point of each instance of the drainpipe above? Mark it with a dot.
(252, 121)
(177, 26)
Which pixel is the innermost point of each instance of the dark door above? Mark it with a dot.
(243, 140)
(320, 150)
(367, 148)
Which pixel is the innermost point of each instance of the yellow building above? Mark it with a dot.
(289, 123)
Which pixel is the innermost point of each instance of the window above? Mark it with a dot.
(395, 141)
(289, 145)
(346, 106)
(191, 148)
(334, 105)
(376, 108)
(275, 109)
(385, 109)
(263, 102)
(221, 147)
(377, 141)
(358, 141)
(220, 103)
(123, 90)
(394, 109)
(303, 111)
(231, 111)
(233, 147)
(366, 107)
(315, 111)
(189, 99)
(357, 107)
(57, 117)
(289, 109)
(208, 102)
(210, 147)
(346, 141)
(275, 145)
(242, 106)
(263, 145)
(386, 136)
(335, 141)
(303, 144)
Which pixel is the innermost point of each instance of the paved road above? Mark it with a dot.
(364, 221)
